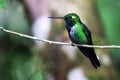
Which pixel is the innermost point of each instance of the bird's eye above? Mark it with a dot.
(66, 18)
(70, 17)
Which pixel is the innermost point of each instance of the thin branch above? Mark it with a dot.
(58, 43)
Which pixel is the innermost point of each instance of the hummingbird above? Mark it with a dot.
(80, 34)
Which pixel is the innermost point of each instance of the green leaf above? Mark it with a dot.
(3, 4)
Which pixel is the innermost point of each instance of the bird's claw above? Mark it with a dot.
(72, 44)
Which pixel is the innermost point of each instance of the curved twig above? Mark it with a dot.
(58, 43)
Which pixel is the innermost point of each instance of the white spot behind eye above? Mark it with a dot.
(73, 16)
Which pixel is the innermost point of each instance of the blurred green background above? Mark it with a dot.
(25, 59)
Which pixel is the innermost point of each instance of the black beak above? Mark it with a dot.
(56, 17)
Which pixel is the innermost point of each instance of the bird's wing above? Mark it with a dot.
(92, 56)
(88, 34)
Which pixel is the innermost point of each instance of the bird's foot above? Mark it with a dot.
(72, 44)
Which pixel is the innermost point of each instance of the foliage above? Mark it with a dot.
(3, 4)
(19, 62)
(109, 11)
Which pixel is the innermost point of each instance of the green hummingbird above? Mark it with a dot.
(80, 34)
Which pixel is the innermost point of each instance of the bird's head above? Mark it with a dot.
(71, 18)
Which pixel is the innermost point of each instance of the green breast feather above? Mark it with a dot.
(77, 34)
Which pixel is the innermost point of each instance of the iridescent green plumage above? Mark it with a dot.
(77, 34)
(80, 34)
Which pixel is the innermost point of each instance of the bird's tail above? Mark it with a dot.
(89, 52)
(95, 62)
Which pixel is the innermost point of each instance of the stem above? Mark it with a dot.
(58, 43)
